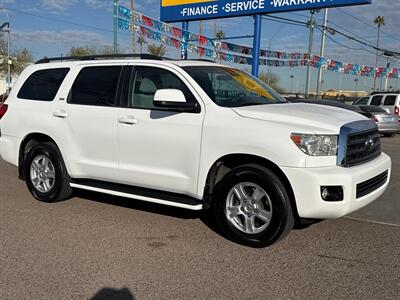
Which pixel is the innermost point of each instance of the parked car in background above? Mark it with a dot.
(390, 101)
(388, 124)
(333, 103)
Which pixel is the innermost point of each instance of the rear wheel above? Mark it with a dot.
(45, 174)
(389, 134)
(252, 207)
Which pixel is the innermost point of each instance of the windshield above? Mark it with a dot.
(230, 87)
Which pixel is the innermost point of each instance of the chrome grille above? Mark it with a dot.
(362, 147)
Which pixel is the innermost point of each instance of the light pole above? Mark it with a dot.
(388, 55)
(115, 16)
(8, 79)
(291, 83)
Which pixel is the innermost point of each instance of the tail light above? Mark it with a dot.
(397, 110)
(373, 118)
(3, 110)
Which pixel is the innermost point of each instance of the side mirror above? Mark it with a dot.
(173, 99)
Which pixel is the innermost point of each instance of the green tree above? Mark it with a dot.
(141, 40)
(82, 51)
(220, 35)
(273, 81)
(19, 59)
(157, 50)
(379, 21)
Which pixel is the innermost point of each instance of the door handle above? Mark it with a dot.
(62, 114)
(129, 120)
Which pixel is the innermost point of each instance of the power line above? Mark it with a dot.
(366, 23)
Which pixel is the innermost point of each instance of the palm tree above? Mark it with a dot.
(141, 40)
(157, 50)
(220, 35)
(379, 21)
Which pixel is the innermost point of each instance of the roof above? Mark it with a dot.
(122, 58)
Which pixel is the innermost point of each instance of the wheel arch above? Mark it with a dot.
(27, 143)
(229, 161)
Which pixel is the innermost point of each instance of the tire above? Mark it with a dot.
(47, 182)
(274, 205)
(389, 134)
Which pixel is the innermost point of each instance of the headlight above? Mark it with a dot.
(316, 145)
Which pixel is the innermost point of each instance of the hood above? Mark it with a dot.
(318, 117)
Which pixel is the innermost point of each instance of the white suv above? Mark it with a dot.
(387, 100)
(190, 134)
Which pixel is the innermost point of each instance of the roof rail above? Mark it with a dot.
(385, 92)
(99, 56)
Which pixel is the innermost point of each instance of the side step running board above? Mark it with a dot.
(138, 193)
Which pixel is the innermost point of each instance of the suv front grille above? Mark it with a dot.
(362, 147)
(367, 187)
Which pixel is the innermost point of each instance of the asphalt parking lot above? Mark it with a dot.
(95, 246)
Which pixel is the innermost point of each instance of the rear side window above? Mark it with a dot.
(376, 100)
(96, 86)
(390, 100)
(43, 85)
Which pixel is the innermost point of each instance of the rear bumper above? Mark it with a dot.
(307, 182)
(389, 128)
(9, 148)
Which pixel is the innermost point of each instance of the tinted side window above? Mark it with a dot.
(43, 85)
(363, 101)
(145, 81)
(376, 100)
(96, 86)
(390, 100)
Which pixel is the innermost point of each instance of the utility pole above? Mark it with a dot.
(9, 61)
(115, 16)
(311, 25)
(322, 52)
(133, 29)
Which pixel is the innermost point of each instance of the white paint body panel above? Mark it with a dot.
(174, 151)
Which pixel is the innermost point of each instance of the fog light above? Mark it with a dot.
(332, 193)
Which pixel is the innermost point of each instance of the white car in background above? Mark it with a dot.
(190, 134)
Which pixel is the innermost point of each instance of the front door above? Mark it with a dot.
(158, 149)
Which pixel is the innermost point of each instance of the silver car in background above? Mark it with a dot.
(388, 124)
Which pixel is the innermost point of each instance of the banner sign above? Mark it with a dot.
(188, 10)
(212, 49)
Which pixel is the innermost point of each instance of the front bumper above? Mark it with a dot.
(306, 184)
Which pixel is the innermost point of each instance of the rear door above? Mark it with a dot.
(390, 103)
(86, 121)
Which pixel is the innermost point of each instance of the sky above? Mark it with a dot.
(52, 27)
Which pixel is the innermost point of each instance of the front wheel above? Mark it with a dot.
(252, 207)
(45, 173)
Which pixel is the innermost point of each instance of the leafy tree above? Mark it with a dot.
(273, 81)
(157, 50)
(220, 35)
(82, 51)
(141, 40)
(19, 59)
